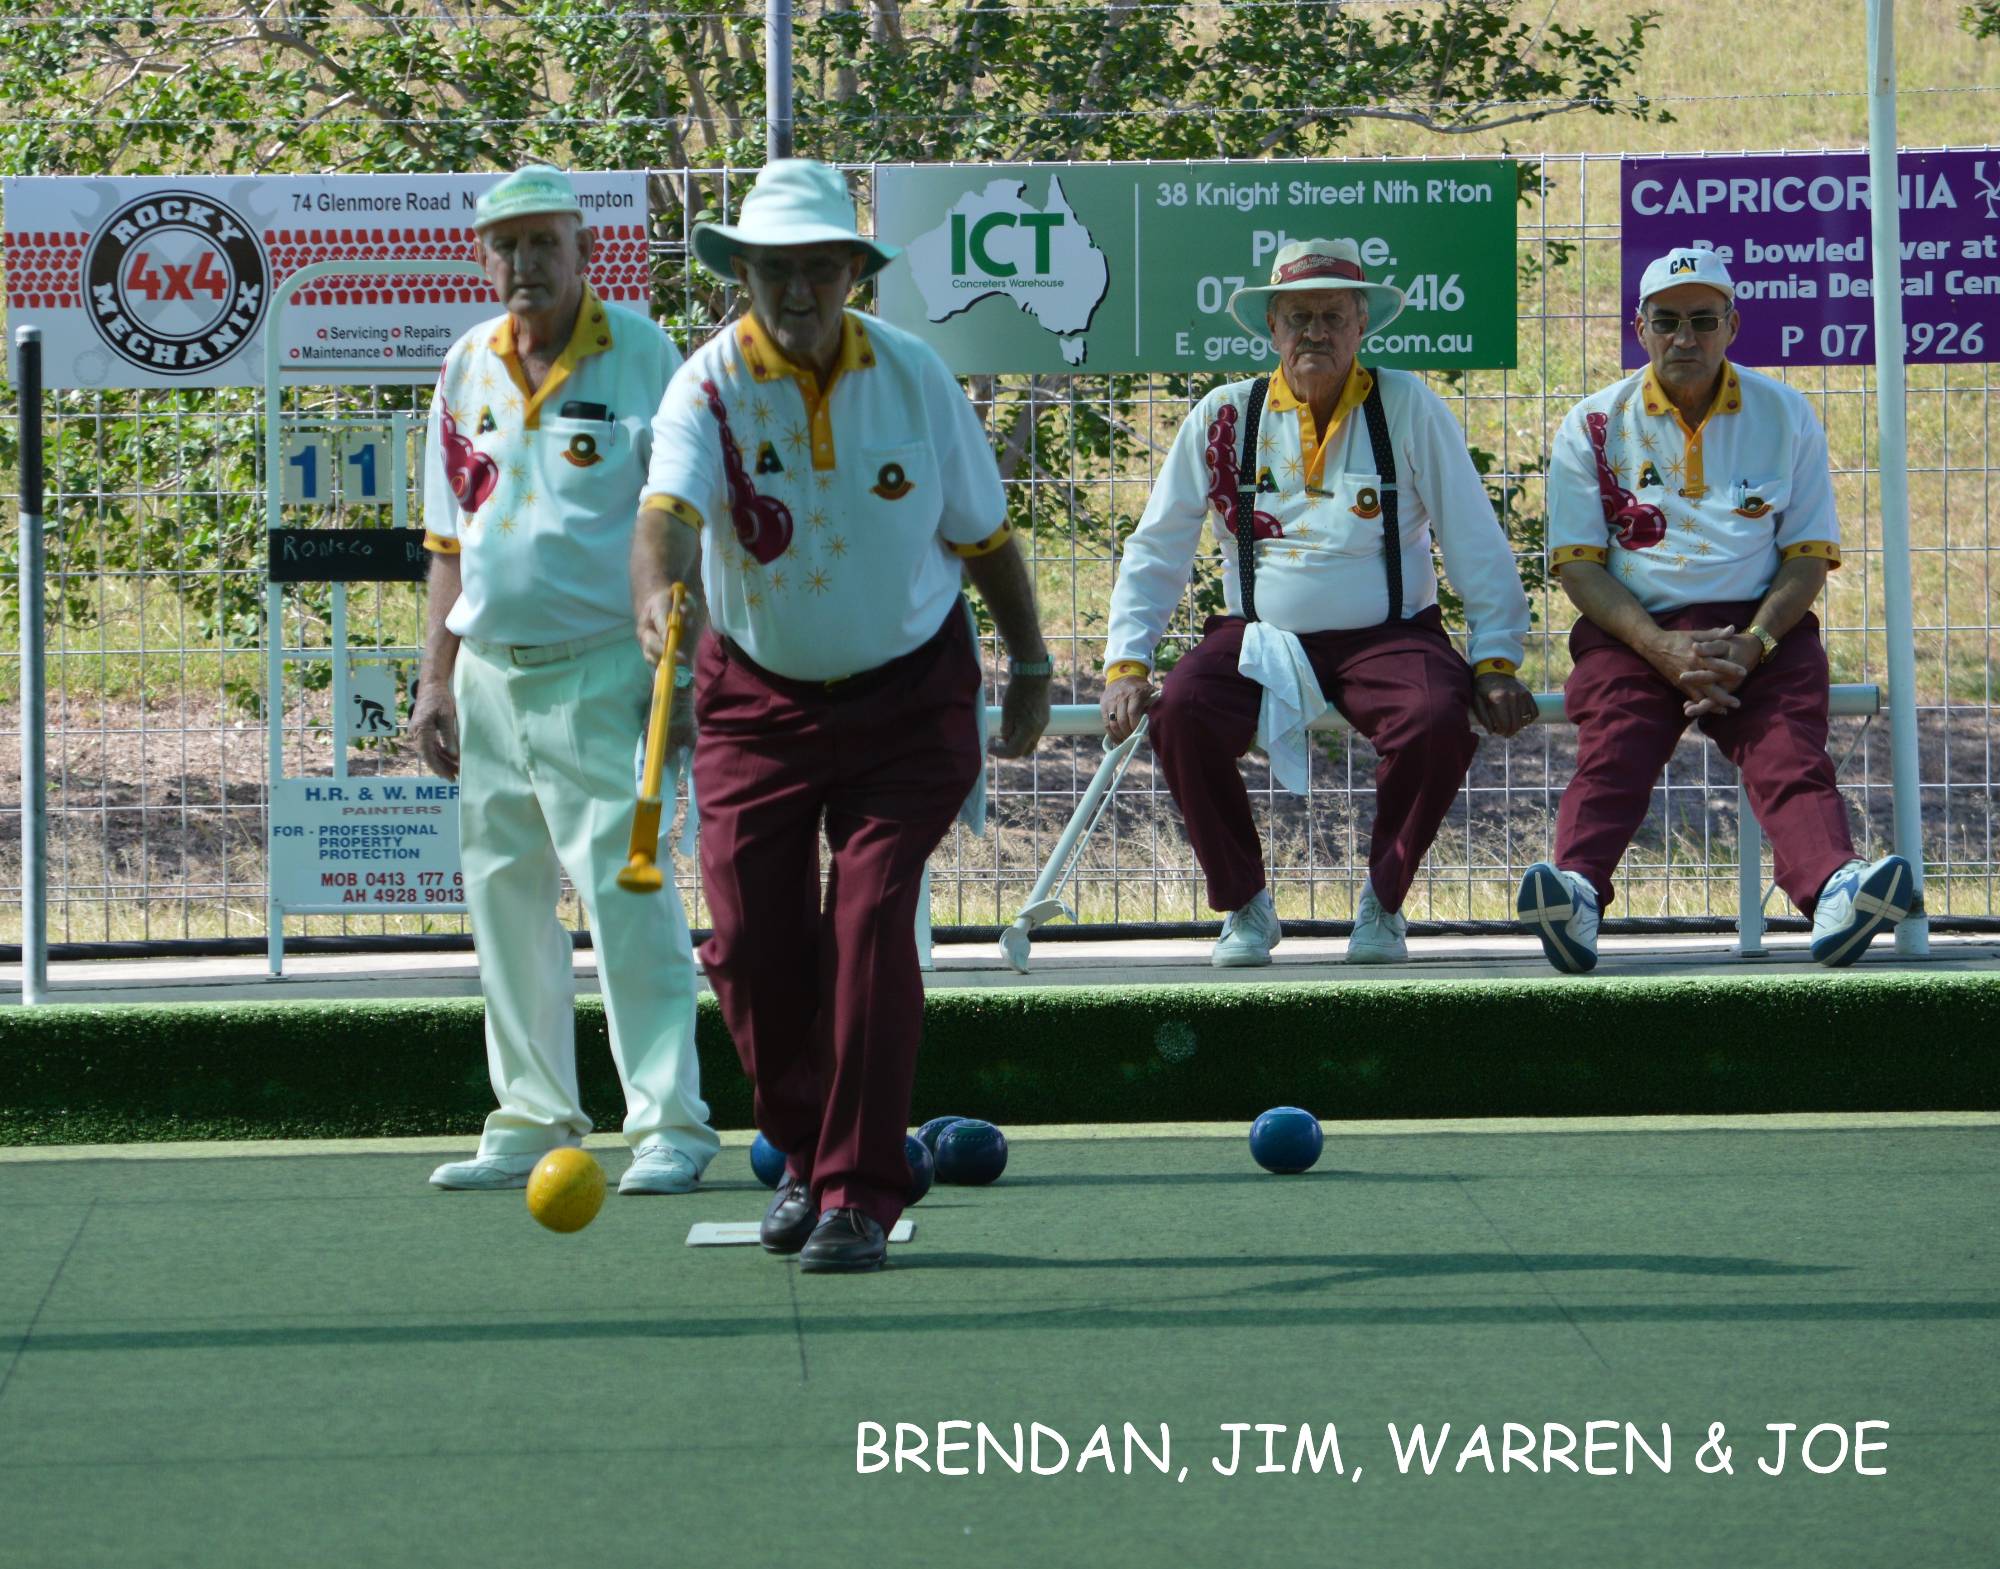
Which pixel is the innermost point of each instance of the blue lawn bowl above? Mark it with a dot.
(930, 1131)
(971, 1153)
(922, 1168)
(767, 1160)
(1286, 1140)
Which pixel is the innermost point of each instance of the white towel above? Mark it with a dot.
(1276, 661)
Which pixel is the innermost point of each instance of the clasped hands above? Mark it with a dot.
(1706, 666)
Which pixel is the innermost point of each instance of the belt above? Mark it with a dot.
(862, 681)
(547, 653)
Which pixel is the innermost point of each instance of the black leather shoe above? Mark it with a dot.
(845, 1242)
(790, 1219)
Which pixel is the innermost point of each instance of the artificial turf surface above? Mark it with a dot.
(313, 1358)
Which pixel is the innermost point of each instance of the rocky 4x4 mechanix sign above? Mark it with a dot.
(175, 283)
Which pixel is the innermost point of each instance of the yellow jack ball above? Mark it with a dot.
(566, 1190)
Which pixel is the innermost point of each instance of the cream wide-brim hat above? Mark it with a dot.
(1306, 265)
(796, 201)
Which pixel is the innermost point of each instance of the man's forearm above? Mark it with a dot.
(666, 551)
(1608, 603)
(440, 642)
(1791, 594)
(1001, 576)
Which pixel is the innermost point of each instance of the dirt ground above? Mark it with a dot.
(161, 809)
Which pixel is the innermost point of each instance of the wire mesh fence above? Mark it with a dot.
(158, 748)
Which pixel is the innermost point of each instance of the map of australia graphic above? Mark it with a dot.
(995, 244)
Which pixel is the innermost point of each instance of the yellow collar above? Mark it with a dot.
(1313, 442)
(1353, 394)
(769, 363)
(1728, 395)
(1728, 400)
(591, 335)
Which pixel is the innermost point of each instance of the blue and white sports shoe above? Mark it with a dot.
(1560, 908)
(1856, 903)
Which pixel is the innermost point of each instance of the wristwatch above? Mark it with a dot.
(1045, 666)
(1764, 640)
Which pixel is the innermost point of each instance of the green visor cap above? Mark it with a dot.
(525, 193)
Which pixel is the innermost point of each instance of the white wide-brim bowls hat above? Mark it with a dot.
(795, 201)
(1307, 265)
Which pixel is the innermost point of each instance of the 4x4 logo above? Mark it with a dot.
(176, 283)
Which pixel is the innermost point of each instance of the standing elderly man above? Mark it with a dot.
(830, 480)
(534, 691)
(1696, 587)
(1323, 484)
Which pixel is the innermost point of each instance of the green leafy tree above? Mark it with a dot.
(383, 86)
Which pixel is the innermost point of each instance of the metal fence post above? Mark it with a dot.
(34, 680)
(1892, 458)
(777, 79)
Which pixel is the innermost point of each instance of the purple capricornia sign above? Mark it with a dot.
(1795, 232)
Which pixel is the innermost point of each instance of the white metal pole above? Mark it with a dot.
(274, 501)
(1892, 452)
(34, 680)
(1749, 879)
(777, 79)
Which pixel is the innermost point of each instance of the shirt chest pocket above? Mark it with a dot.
(1348, 518)
(1758, 500)
(896, 488)
(584, 446)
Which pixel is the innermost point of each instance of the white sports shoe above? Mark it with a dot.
(1378, 936)
(1855, 904)
(486, 1172)
(659, 1168)
(1248, 934)
(1560, 908)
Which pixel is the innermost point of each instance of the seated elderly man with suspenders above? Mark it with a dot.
(1327, 522)
(1696, 587)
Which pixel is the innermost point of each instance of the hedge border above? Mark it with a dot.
(1900, 1041)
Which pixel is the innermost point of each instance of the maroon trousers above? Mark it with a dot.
(1628, 720)
(1401, 684)
(824, 998)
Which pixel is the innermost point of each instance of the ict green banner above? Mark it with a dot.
(1129, 267)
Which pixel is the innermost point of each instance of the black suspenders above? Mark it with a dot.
(1385, 469)
(1246, 497)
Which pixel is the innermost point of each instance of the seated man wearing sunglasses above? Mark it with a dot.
(1691, 520)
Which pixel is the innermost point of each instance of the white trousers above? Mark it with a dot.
(547, 784)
